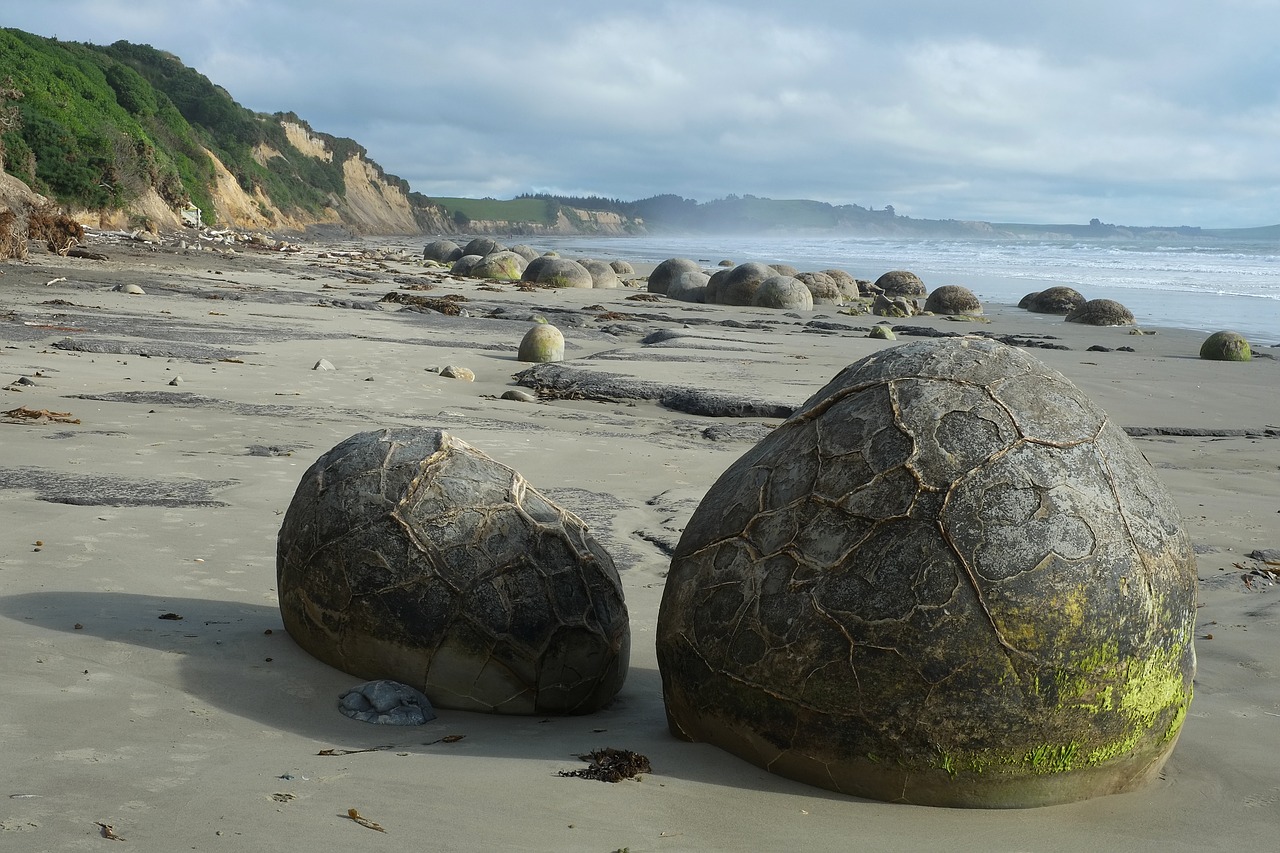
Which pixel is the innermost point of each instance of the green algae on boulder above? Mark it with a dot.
(1226, 346)
(947, 579)
(541, 344)
(407, 554)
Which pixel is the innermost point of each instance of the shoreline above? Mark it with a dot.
(211, 728)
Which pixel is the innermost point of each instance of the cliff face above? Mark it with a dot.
(569, 221)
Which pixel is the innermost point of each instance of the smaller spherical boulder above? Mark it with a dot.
(1226, 346)
(1054, 300)
(541, 344)
(525, 251)
(408, 555)
(482, 246)
(822, 288)
(848, 284)
(740, 283)
(663, 273)
(1101, 312)
(783, 292)
(464, 265)
(901, 283)
(442, 251)
(689, 286)
(558, 272)
(621, 267)
(503, 266)
(602, 275)
(785, 269)
(953, 299)
(882, 332)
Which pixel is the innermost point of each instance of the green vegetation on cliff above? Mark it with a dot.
(99, 126)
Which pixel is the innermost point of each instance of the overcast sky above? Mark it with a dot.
(1142, 112)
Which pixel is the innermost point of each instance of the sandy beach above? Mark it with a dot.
(150, 686)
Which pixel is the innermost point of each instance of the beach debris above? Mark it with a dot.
(445, 739)
(449, 304)
(130, 289)
(323, 364)
(283, 797)
(333, 752)
(519, 395)
(55, 280)
(109, 832)
(171, 617)
(459, 566)
(386, 703)
(610, 765)
(644, 297)
(364, 821)
(42, 416)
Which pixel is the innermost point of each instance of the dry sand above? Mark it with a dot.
(205, 733)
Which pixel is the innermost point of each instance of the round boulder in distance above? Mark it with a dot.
(1226, 346)
(848, 284)
(408, 555)
(444, 251)
(621, 267)
(901, 283)
(464, 265)
(602, 275)
(558, 272)
(1101, 312)
(953, 299)
(1053, 300)
(541, 344)
(822, 287)
(784, 292)
(482, 246)
(663, 273)
(740, 283)
(947, 579)
(503, 266)
(689, 286)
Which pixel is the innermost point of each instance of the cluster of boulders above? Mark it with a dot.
(895, 294)
(1074, 308)
(486, 258)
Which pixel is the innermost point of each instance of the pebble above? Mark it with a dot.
(324, 364)
(519, 396)
(452, 371)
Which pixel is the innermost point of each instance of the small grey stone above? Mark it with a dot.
(519, 396)
(177, 380)
(324, 364)
(387, 703)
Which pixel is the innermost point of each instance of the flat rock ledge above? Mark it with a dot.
(556, 380)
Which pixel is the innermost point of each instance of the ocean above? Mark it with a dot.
(1205, 285)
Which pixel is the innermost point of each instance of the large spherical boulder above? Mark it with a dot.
(482, 246)
(525, 251)
(464, 265)
(443, 251)
(1226, 346)
(409, 555)
(602, 275)
(901, 283)
(953, 299)
(785, 269)
(848, 284)
(739, 284)
(541, 344)
(947, 579)
(1053, 300)
(664, 272)
(822, 287)
(1101, 312)
(503, 266)
(558, 272)
(689, 286)
(783, 292)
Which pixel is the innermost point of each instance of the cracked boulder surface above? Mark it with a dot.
(948, 579)
(407, 554)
